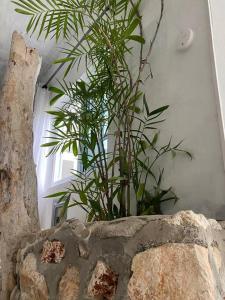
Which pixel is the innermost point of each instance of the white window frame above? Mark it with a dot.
(46, 165)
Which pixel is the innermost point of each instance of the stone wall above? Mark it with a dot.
(154, 257)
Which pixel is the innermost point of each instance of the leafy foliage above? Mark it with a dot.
(107, 108)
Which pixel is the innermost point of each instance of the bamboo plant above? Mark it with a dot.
(106, 120)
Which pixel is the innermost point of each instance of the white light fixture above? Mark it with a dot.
(185, 39)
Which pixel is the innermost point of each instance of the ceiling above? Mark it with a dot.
(10, 21)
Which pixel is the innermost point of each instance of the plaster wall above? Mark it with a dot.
(186, 81)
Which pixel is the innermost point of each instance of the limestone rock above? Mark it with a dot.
(32, 283)
(189, 218)
(180, 257)
(172, 272)
(69, 285)
(126, 227)
(214, 224)
(83, 234)
(216, 257)
(103, 282)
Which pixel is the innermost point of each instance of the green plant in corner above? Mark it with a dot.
(105, 120)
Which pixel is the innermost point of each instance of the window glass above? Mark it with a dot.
(64, 164)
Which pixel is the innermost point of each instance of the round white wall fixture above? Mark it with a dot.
(185, 39)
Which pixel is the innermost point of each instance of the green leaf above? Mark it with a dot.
(81, 85)
(83, 197)
(68, 69)
(65, 205)
(158, 110)
(146, 105)
(146, 168)
(65, 147)
(36, 23)
(56, 90)
(63, 60)
(160, 178)
(93, 140)
(140, 191)
(57, 113)
(117, 178)
(54, 100)
(91, 215)
(113, 162)
(24, 12)
(96, 206)
(134, 11)
(84, 159)
(75, 148)
(30, 24)
(155, 138)
(136, 38)
(50, 144)
(133, 25)
(136, 109)
(42, 25)
(49, 26)
(55, 195)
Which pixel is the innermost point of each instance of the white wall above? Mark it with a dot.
(186, 81)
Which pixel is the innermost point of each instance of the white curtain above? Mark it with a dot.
(41, 105)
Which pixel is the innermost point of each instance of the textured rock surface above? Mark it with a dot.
(69, 285)
(103, 282)
(52, 252)
(189, 218)
(178, 257)
(32, 283)
(173, 272)
(18, 197)
(121, 228)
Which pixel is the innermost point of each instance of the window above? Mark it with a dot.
(64, 163)
(54, 171)
(56, 214)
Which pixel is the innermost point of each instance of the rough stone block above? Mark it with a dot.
(178, 257)
(103, 282)
(172, 272)
(32, 284)
(53, 252)
(69, 285)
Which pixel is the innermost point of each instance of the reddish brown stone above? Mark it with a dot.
(53, 252)
(103, 282)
